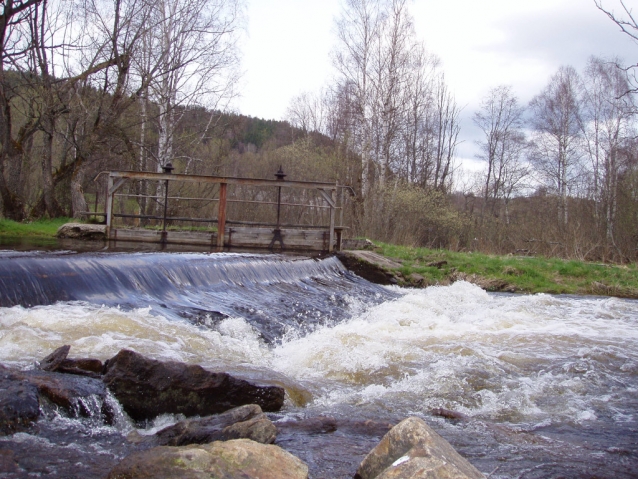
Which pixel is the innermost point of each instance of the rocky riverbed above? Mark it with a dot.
(224, 431)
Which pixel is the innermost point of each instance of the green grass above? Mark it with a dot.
(513, 273)
(38, 228)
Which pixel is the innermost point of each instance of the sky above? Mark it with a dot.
(481, 43)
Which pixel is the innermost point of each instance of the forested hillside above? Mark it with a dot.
(92, 86)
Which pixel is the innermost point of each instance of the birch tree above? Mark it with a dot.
(501, 121)
(358, 34)
(556, 147)
(404, 122)
(607, 127)
(192, 58)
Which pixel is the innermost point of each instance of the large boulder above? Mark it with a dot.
(413, 450)
(147, 388)
(244, 422)
(19, 403)
(236, 459)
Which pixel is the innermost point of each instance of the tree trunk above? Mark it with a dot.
(78, 202)
(52, 207)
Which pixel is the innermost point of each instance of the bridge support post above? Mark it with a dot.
(221, 215)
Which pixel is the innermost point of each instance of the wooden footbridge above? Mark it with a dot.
(223, 212)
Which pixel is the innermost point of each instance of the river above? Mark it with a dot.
(541, 386)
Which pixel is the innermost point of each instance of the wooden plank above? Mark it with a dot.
(259, 238)
(292, 239)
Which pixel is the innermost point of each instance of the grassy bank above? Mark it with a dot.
(40, 228)
(512, 273)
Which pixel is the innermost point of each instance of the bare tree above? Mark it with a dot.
(501, 121)
(628, 24)
(391, 71)
(193, 61)
(556, 147)
(358, 33)
(404, 121)
(102, 92)
(607, 126)
(308, 112)
(418, 132)
(446, 132)
(14, 21)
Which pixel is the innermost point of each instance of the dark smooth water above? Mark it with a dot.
(544, 386)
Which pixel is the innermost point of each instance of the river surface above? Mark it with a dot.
(541, 386)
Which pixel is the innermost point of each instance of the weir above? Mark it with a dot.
(249, 212)
(274, 293)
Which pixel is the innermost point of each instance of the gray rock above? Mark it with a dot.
(413, 450)
(82, 231)
(19, 404)
(236, 459)
(244, 422)
(147, 388)
(259, 429)
(7, 461)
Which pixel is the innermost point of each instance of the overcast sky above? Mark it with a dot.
(482, 44)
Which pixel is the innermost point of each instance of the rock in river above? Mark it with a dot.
(244, 422)
(236, 459)
(19, 404)
(413, 450)
(147, 388)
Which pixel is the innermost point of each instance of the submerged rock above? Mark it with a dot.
(244, 422)
(413, 450)
(239, 458)
(147, 388)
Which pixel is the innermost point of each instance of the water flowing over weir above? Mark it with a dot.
(274, 293)
(541, 386)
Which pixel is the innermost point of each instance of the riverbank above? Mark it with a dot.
(43, 228)
(422, 267)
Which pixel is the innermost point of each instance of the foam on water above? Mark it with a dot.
(28, 334)
(524, 358)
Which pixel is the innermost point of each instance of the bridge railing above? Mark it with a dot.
(225, 205)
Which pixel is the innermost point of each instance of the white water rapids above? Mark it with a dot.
(545, 386)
